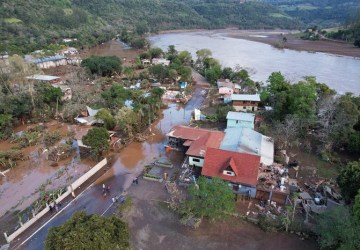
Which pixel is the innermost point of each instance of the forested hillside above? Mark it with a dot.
(323, 13)
(29, 25)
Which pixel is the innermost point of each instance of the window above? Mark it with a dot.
(244, 107)
(196, 160)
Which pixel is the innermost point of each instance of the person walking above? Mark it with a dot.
(108, 189)
(104, 188)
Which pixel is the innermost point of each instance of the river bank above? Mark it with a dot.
(294, 42)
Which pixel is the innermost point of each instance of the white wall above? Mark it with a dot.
(199, 163)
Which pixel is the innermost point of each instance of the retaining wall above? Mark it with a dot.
(69, 191)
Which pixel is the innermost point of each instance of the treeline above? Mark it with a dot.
(310, 110)
(322, 13)
(350, 33)
(30, 25)
(26, 26)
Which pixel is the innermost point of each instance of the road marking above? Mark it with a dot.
(32, 235)
(107, 209)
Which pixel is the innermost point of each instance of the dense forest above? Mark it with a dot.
(322, 13)
(29, 25)
(350, 32)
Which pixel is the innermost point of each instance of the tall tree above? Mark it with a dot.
(84, 231)
(348, 180)
(211, 198)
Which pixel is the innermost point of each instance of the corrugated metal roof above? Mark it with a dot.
(240, 116)
(48, 59)
(246, 140)
(43, 77)
(237, 97)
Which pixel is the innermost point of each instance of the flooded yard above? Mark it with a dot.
(23, 183)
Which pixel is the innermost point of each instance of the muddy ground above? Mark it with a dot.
(154, 226)
(295, 43)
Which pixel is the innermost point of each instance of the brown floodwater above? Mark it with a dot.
(22, 184)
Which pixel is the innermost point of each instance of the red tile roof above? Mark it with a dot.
(201, 139)
(245, 166)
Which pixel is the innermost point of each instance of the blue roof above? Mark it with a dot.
(183, 84)
(244, 140)
(129, 103)
(240, 116)
(48, 59)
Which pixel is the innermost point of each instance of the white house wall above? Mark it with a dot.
(199, 163)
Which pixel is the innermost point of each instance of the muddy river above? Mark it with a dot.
(340, 72)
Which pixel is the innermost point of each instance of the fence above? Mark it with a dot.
(70, 190)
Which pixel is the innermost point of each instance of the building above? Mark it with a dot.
(194, 142)
(145, 62)
(162, 61)
(45, 78)
(49, 62)
(240, 169)
(246, 140)
(240, 120)
(245, 102)
(226, 89)
(56, 82)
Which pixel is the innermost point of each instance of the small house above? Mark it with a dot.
(45, 78)
(194, 142)
(162, 61)
(49, 62)
(240, 120)
(239, 169)
(226, 89)
(145, 62)
(245, 102)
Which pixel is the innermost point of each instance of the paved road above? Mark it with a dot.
(119, 178)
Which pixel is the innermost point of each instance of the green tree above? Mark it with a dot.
(302, 99)
(159, 71)
(210, 198)
(139, 43)
(185, 58)
(84, 231)
(98, 140)
(116, 96)
(106, 116)
(227, 73)
(356, 208)
(337, 229)
(155, 52)
(348, 180)
(102, 65)
(5, 126)
(172, 50)
(201, 56)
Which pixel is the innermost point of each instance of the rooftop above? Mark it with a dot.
(48, 59)
(197, 139)
(43, 78)
(246, 140)
(240, 116)
(244, 166)
(237, 97)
